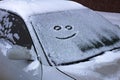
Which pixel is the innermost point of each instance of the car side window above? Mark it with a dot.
(13, 28)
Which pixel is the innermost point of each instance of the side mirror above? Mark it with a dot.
(19, 53)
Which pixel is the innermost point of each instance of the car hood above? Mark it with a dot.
(103, 67)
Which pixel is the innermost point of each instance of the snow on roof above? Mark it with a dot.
(26, 8)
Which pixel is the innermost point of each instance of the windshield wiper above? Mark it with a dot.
(87, 59)
(83, 60)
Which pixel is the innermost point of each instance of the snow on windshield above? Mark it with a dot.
(75, 35)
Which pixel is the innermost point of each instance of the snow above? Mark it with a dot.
(16, 36)
(4, 46)
(112, 17)
(104, 67)
(6, 25)
(96, 68)
(115, 56)
(33, 67)
(26, 8)
(94, 35)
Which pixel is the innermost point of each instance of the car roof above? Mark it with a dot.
(25, 8)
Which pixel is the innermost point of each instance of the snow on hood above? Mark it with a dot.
(104, 67)
(26, 7)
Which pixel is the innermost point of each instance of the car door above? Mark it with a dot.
(13, 31)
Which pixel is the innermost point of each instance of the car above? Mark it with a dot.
(56, 40)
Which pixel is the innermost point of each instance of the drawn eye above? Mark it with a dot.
(68, 27)
(57, 28)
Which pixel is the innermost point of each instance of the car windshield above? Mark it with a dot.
(74, 35)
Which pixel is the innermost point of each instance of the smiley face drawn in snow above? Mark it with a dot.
(66, 32)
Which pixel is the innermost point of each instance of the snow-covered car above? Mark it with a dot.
(56, 40)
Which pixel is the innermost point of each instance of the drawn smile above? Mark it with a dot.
(67, 37)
